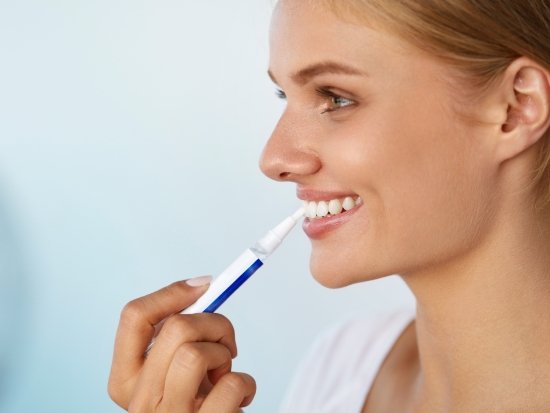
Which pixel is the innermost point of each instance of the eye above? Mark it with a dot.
(280, 94)
(335, 101)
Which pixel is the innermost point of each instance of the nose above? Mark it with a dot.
(288, 154)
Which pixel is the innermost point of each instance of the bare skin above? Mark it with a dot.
(445, 179)
(188, 369)
(398, 378)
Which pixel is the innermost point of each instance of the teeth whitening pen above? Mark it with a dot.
(243, 267)
(231, 279)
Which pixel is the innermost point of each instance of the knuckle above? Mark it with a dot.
(189, 357)
(228, 332)
(178, 328)
(234, 382)
(115, 394)
(132, 312)
(224, 321)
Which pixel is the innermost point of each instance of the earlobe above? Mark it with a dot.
(528, 113)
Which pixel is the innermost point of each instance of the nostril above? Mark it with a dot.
(284, 175)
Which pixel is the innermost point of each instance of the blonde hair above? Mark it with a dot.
(478, 37)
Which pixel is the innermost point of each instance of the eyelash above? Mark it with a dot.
(325, 93)
(333, 97)
(280, 94)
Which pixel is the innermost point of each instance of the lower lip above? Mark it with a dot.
(317, 228)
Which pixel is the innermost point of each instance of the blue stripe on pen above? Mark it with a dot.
(233, 287)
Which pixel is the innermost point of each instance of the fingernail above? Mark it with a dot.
(199, 281)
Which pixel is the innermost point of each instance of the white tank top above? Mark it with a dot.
(338, 372)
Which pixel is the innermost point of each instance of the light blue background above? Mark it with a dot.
(130, 133)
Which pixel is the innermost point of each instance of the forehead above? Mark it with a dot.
(304, 33)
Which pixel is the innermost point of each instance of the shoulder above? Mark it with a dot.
(343, 361)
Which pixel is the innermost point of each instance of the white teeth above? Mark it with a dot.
(348, 203)
(311, 209)
(333, 207)
(322, 209)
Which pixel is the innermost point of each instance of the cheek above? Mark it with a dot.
(425, 188)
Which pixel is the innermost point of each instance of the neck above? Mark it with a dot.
(483, 322)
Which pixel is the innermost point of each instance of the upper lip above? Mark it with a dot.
(310, 194)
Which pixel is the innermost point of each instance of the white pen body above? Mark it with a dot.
(229, 281)
(226, 283)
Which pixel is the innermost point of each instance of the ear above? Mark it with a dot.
(526, 97)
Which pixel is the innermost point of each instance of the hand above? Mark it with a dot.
(188, 369)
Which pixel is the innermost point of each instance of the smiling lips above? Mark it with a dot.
(325, 211)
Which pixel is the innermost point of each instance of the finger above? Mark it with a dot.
(189, 366)
(178, 330)
(233, 390)
(136, 328)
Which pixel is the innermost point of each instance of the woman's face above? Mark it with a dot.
(370, 116)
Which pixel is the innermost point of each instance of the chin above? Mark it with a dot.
(328, 280)
(336, 272)
(332, 275)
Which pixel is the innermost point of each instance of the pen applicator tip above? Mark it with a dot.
(299, 214)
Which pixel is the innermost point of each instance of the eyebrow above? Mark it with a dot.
(305, 75)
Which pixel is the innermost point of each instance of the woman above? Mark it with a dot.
(432, 116)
